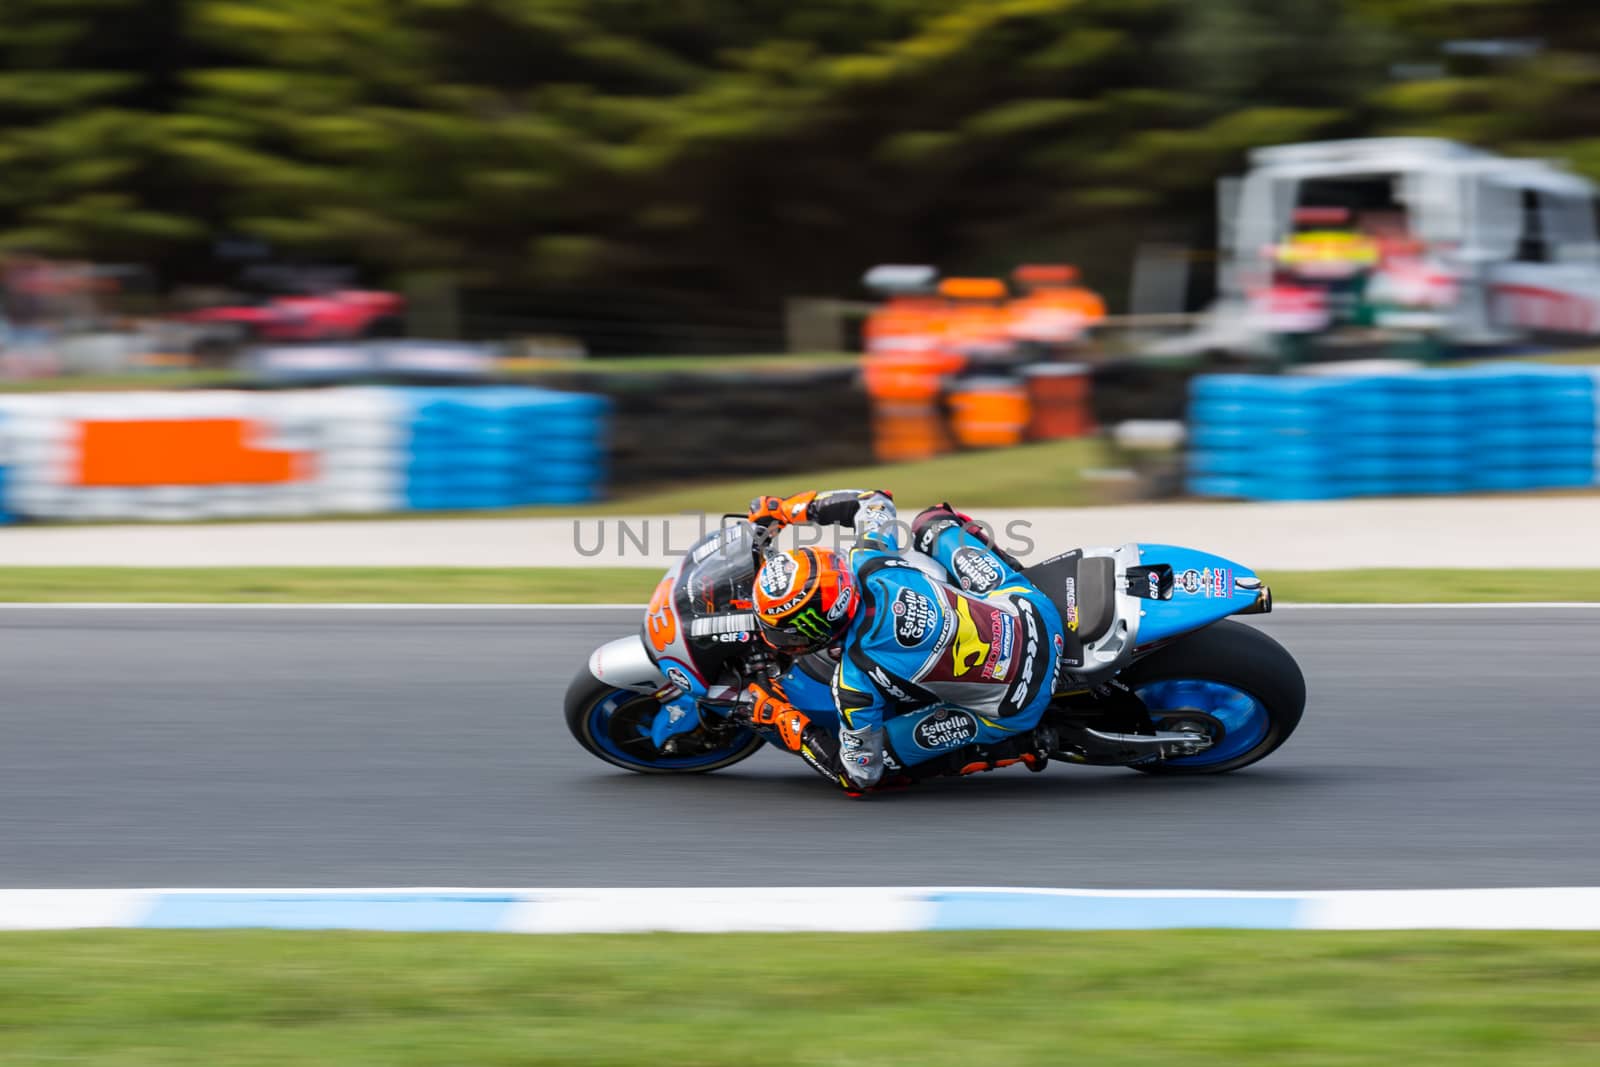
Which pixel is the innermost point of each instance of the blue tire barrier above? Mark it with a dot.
(1496, 428)
(5, 461)
(503, 447)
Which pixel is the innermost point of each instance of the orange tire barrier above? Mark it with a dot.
(1059, 394)
(903, 431)
(905, 386)
(989, 412)
(139, 452)
(908, 376)
(905, 324)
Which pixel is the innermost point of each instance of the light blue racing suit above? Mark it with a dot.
(987, 642)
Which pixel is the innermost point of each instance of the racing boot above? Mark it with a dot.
(861, 754)
(820, 749)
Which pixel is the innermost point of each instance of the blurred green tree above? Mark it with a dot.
(86, 91)
(734, 151)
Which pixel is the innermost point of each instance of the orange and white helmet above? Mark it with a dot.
(805, 598)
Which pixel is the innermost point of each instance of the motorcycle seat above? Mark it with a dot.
(1094, 590)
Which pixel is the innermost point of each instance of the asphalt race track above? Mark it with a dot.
(292, 747)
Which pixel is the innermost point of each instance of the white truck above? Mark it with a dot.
(1511, 241)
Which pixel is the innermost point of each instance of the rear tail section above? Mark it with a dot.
(1182, 589)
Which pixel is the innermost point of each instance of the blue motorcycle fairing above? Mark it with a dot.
(1205, 588)
(680, 715)
(680, 675)
(812, 697)
(805, 693)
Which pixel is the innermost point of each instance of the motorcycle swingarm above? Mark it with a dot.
(1109, 726)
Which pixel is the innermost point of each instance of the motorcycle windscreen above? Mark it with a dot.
(711, 598)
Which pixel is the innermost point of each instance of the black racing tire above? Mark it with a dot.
(1240, 656)
(586, 692)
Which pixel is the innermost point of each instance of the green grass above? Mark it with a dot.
(188, 379)
(134, 380)
(688, 364)
(1405, 585)
(1583, 357)
(1580, 357)
(1042, 475)
(632, 585)
(1147, 999)
(291, 585)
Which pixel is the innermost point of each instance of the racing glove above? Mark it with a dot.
(861, 754)
(781, 511)
(836, 507)
(770, 708)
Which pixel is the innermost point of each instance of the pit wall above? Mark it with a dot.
(220, 454)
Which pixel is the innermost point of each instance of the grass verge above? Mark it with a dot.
(1043, 475)
(632, 585)
(310, 585)
(1178, 999)
(157, 380)
(531, 371)
(1445, 586)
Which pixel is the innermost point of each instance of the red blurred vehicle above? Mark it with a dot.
(336, 315)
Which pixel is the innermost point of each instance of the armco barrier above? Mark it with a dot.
(1493, 428)
(213, 454)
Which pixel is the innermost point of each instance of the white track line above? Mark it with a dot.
(816, 909)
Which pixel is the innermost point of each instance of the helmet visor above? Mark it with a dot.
(787, 640)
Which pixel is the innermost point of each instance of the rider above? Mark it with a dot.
(986, 641)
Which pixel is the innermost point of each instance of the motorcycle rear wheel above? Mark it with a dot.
(607, 721)
(1230, 680)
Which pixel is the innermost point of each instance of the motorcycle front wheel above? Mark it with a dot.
(614, 725)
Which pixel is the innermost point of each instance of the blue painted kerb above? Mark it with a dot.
(1054, 911)
(371, 911)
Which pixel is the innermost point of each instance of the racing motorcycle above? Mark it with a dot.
(1155, 676)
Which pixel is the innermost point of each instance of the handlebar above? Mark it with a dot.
(764, 533)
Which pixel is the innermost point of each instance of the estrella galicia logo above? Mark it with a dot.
(914, 617)
(777, 575)
(945, 728)
(1189, 580)
(677, 677)
(976, 570)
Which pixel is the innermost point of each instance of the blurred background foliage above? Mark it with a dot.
(736, 150)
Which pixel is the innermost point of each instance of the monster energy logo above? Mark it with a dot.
(810, 623)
